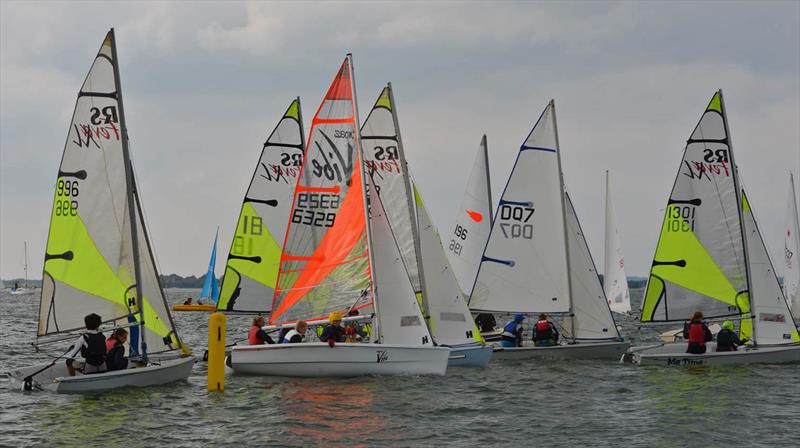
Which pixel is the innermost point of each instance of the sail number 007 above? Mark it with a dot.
(67, 198)
(520, 228)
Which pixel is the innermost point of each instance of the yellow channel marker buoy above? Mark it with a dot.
(216, 352)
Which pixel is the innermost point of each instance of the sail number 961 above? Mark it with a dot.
(519, 227)
(67, 192)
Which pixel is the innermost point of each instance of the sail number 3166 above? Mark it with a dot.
(67, 193)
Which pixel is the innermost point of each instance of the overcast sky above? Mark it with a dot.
(204, 83)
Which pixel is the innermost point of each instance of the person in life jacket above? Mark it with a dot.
(544, 332)
(115, 350)
(727, 340)
(354, 331)
(333, 332)
(257, 335)
(91, 345)
(697, 333)
(512, 332)
(296, 334)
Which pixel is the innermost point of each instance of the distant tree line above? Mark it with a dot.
(169, 281)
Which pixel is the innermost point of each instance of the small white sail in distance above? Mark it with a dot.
(791, 249)
(615, 282)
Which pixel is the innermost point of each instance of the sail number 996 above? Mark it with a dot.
(519, 227)
(67, 192)
(307, 211)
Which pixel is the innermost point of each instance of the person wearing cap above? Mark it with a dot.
(512, 332)
(727, 340)
(333, 332)
(545, 333)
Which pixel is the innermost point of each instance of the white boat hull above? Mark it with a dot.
(57, 379)
(674, 354)
(317, 359)
(582, 350)
(470, 356)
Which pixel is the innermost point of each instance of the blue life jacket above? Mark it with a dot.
(510, 331)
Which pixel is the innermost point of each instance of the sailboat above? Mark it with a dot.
(536, 259)
(615, 282)
(791, 247)
(337, 256)
(711, 258)
(99, 258)
(251, 270)
(209, 294)
(19, 290)
(446, 314)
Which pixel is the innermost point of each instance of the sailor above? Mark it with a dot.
(727, 340)
(296, 334)
(91, 345)
(354, 331)
(545, 333)
(512, 332)
(115, 350)
(333, 332)
(697, 333)
(188, 301)
(485, 322)
(257, 335)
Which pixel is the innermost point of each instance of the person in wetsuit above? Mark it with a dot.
(257, 335)
(115, 350)
(91, 345)
(333, 332)
(512, 332)
(727, 340)
(697, 333)
(545, 333)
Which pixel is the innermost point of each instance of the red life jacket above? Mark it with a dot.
(252, 338)
(110, 343)
(697, 333)
(542, 325)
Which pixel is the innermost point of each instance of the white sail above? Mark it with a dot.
(449, 319)
(524, 265)
(251, 269)
(473, 222)
(386, 164)
(89, 261)
(791, 248)
(699, 264)
(400, 319)
(615, 282)
(592, 315)
(773, 321)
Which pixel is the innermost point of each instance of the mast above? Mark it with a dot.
(738, 189)
(131, 186)
(411, 209)
(564, 220)
(26, 263)
(488, 180)
(364, 173)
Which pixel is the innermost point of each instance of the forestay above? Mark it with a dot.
(324, 266)
(592, 315)
(385, 162)
(473, 222)
(449, 319)
(251, 271)
(615, 282)
(699, 264)
(89, 262)
(774, 323)
(791, 266)
(524, 264)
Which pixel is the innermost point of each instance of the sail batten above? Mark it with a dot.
(251, 271)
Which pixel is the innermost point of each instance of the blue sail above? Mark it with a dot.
(210, 286)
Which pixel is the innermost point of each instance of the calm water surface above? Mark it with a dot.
(524, 403)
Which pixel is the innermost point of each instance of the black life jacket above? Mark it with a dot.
(94, 351)
(725, 341)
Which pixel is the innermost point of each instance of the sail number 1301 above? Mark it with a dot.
(680, 219)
